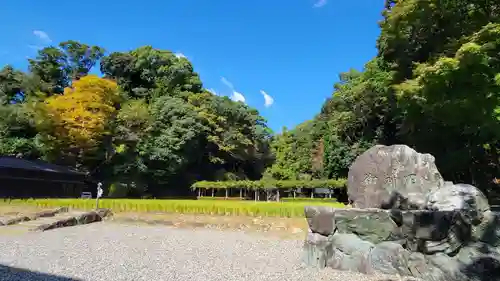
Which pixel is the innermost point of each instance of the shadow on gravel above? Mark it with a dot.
(8, 273)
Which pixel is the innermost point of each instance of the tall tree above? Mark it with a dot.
(146, 68)
(58, 66)
(76, 122)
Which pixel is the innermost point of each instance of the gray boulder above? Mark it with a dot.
(488, 231)
(479, 262)
(351, 243)
(320, 219)
(464, 197)
(431, 232)
(317, 250)
(390, 177)
(372, 225)
(351, 253)
(390, 258)
(445, 268)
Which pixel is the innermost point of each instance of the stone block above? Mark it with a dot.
(488, 231)
(321, 219)
(390, 258)
(317, 250)
(349, 252)
(466, 198)
(432, 231)
(373, 225)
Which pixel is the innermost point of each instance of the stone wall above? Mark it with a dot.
(407, 220)
(432, 245)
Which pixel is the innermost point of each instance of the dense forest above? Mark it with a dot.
(434, 85)
(149, 122)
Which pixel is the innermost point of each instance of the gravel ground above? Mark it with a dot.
(109, 251)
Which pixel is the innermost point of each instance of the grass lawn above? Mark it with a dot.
(202, 207)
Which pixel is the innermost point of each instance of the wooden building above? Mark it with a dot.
(21, 178)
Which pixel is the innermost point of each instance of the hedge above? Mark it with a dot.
(271, 184)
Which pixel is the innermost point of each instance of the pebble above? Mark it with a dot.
(110, 251)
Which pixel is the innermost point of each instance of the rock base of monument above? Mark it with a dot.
(431, 245)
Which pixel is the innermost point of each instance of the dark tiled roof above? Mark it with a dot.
(36, 165)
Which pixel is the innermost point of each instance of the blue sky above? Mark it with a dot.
(288, 50)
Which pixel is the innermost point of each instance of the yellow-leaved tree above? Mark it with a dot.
(78, 120)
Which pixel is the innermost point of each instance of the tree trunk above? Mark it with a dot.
(213, 192)
(241, 193)
(277, 195)
(256, 195)
(227, 189)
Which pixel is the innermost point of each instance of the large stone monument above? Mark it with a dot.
(406, 220)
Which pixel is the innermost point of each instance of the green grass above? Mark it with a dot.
(208, 207)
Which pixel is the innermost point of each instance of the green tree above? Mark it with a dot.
(146, 68)
(56, 67)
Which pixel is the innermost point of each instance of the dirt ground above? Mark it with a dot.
(13, 210)
(288, 228)
(284, 227)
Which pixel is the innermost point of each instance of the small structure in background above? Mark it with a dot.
(87, 195)
(22, 178)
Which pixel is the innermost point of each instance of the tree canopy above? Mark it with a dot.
(149, 122)
(434, 86)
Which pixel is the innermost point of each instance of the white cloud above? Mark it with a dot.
(214, 92)
(42, 35)
(180, 55)
(320, 3)
(235, 96)
(268, 100)
(238, 97)
(227, 83)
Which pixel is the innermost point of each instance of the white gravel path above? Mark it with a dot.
(108, 251)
